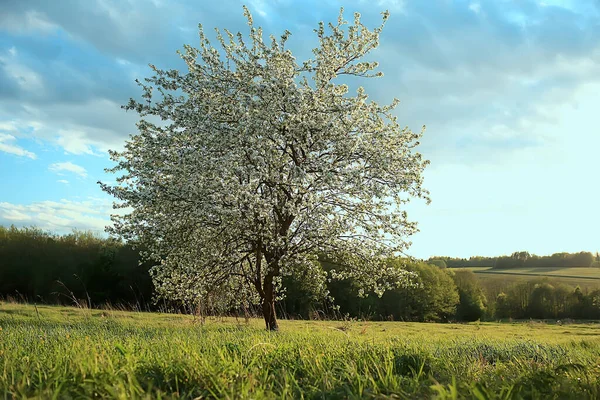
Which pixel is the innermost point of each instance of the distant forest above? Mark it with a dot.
(83, 269)
(522, 259)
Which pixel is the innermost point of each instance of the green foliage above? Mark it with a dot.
(304, 294)
(472, 306)
(438, 263)
(62, 352)
(502, 306)
(544, 298)
(78, 267)
(435, 299)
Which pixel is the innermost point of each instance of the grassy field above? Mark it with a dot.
(586, 278)
(577, 273)
(59, 352)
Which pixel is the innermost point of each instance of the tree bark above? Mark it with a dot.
(268, 304)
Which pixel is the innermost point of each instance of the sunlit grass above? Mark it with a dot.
(72, 353)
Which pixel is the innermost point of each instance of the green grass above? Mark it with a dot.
(60, 352)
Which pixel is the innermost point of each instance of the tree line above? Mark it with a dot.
(38, 266)
(542, 299)
(522, 259)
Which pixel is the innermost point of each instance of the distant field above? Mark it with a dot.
(61, 352)
(585, 273)
(576, 272)
(582, 282)
(586, 278)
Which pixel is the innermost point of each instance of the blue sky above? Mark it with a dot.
(509, 92)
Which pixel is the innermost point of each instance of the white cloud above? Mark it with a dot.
(25, 77)
(59, 216)
(74, 142)
(260, 7)
(69, 167)
(12, 148)
(8, 126)
(66, 182)
(12, 214)
(90, 127)
(27, 22)
(475, 7)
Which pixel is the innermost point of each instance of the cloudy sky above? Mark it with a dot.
(509, 92)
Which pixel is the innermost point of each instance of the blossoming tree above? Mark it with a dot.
(262, 164)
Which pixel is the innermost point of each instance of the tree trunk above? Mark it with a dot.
(268, 305)
(268, 308)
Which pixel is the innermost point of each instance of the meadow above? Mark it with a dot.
(64, 352)
(560, 272)
(495, 281)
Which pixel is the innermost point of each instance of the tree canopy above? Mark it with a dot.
(263, 163)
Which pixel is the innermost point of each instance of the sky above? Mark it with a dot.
(509, 92)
